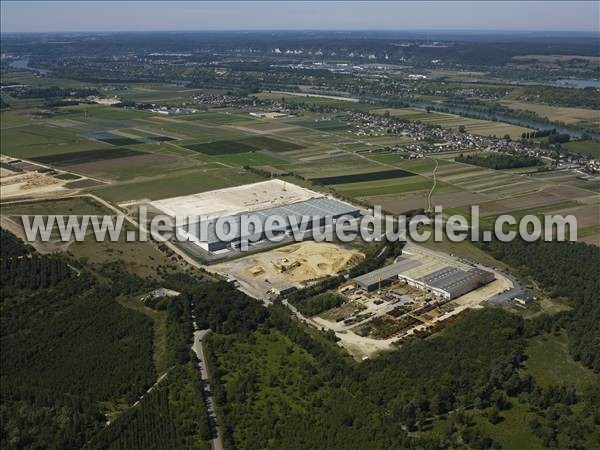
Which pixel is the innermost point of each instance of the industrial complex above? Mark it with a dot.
(447, 282)
(413, 296)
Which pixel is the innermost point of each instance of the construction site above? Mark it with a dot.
(415, 296)
(277, 272)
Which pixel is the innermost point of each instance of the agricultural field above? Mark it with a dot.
(41, 140)
(131, 155)
(566, 115)
(243, 145)
(362, 177)
(299, 343)
(392, 187)
(182, 182)
(591, 148)
(312, 99)
(72, 158)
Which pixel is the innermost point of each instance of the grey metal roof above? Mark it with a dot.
(387, 272)
(321, 207)
(454, 280)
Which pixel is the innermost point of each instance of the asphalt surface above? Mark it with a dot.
(217, 442)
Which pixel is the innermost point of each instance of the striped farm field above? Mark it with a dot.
(384, 187)
(360, 177)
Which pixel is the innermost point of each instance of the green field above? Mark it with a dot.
(513, 431)
(180, 183)
(549, 362)
(85, 113)
(243, 145)
(323, 125)
(119, 141)
(254, 158)
(219, 118)
(591, 148)
(221, 147)
(315, 100)
(422, 165)
(67, 176)
(191, 130)
(384, 187)
(43, 140)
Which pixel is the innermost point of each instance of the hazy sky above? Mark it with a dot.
(172, 15)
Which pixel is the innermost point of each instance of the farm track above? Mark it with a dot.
(434, 184)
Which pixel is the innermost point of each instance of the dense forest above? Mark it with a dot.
(567, 270)
(499, 161)
(278, 384)
(314, 305)
(171, 416)
(67, 346)
(74, 360)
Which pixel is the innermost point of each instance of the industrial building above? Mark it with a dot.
(447, 283)
(224, 208)
(451, 282)
(374, 280)
(292, 214)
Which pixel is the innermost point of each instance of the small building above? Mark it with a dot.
(160, 293)
(524, 298)
(284, 290)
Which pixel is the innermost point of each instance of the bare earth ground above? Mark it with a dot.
(399, 204)
(292, 265)
(234, 200)
(29, 184)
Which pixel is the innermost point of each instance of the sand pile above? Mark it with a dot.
(312, 260)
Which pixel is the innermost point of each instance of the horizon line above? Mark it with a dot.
(287, 30)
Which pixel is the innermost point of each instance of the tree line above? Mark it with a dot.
(499, 161)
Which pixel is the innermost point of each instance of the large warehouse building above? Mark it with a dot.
(263, 200)
(451, 282)
(448, 282)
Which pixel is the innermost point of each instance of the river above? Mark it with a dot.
(23, 64)
(580, 84)
(467, 112)
(539, 125)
